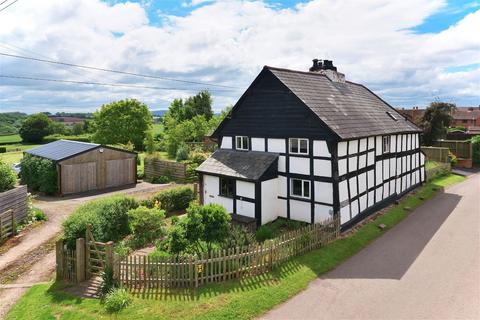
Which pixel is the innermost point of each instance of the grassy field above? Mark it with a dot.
(10, 138)
(243, 299)
(157, 128)
(11, 157)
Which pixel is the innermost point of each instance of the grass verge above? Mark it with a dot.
(243, 299)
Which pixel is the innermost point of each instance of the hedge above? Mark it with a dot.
(39, 174)
(175, 199)
(7, 177)
(55, 137)
(108, 217)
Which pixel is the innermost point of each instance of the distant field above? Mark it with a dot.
(10, 138)
(18, 147)
(11, 157)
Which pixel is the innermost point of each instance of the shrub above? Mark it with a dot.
(159, 180)
(452, 158)
(476, 149)
(39, 174)
(108, 282)
(238, 237)
(146, 224)
(108, 216)
(182, 153)
(55, 137)
(177, 241)
(3, 149)
(117, 300)
(265, 232)
(37, 214)
(8, 177)
(175, 199)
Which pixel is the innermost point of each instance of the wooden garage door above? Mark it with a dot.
(79, 177)
(120, 172)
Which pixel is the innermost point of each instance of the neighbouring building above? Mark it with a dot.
(67, 121)
(85, 166)
(309, 145)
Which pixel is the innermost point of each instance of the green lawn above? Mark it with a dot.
(11, 157)
(244, 299)
(10, 138)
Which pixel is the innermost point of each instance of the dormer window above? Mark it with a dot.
(298, 146)
(241, 143)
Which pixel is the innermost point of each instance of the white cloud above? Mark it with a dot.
(228, 42)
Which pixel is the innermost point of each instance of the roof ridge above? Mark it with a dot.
(82, 142)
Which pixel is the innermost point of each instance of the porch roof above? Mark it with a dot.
(245, 165)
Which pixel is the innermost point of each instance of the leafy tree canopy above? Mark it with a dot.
(436, 120)
(35, 128)
(121, 122)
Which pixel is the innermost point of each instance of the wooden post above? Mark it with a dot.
(60, 259)
(80, 259)
(1, 227)
(14, 223)
(109, 254)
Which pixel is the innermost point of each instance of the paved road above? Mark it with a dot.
(427, 267)
(57, 210)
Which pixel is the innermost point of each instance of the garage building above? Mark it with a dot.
(85, 166)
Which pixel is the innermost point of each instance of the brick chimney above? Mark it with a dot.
(327, 68)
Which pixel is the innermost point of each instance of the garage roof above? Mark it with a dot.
(61, 149)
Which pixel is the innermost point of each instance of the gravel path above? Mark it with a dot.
(57, 210)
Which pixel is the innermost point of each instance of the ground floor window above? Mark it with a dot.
(300, 188)
(227, 187)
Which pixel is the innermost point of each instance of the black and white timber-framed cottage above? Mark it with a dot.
(309, 145)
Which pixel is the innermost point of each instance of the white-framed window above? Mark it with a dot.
(386, 144)
(300, 188)
(241, 143)
(298, 146)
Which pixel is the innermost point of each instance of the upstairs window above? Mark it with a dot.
(227, 187)
(386, 144)
(241, 143)
(300, 188)
(298, 146)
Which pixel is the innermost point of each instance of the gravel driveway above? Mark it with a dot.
(57, 210)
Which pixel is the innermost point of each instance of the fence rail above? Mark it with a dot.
(8, 224)
(462, 149)
(156, 167)
(145, 272)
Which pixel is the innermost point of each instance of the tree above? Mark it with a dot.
(122, 121)
(77, 129)
(7, 177)
(35, 128)
(57, 127)
(436, 120)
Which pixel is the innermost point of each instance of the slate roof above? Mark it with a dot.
(349, 109)
(61, 149)
(248, 165)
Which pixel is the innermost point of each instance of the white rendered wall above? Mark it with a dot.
(258, 144)
(323, 192)
(226, 143)
(322, 168)
(276, 145)
(299, 165)
(246, 189)
(270, 201)
(320, 149)
(342, 148)
(246, 209)
(322, 213)
(300, 210)
(282, 164)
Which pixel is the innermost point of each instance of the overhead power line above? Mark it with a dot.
(122, 85)
(116, 71)
(6, 5)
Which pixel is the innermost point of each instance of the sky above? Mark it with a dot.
(410, 52)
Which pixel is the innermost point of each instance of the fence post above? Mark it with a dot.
(109, 254)
(80, 259)
(14, 223)
(195, 189)
(1, 227)
(60, 259)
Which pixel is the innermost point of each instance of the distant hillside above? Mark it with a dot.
(158, 113)
(10, 122)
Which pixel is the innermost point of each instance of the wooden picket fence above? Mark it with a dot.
(135, 272)
(8, 224)
(142, 272)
